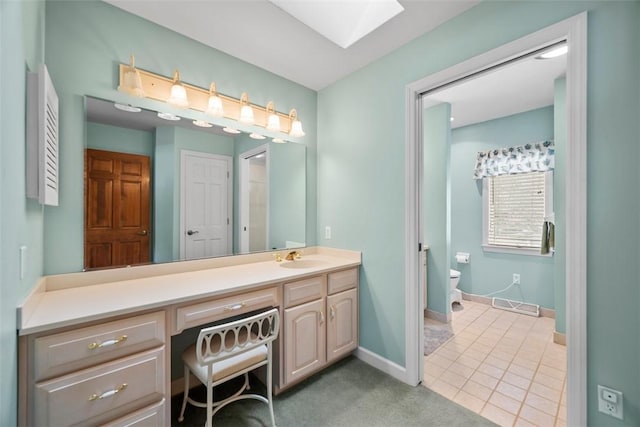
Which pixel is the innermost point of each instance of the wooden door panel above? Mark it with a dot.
(117, 209)
(130, 252)
(131, 197)
(98, 255)
(99, 202)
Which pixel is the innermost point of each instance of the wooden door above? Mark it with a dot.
(117, 209)
(342, 324)
(206, 201)
(305, 341)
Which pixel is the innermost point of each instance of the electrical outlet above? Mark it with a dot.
(610, 402)
(516, 278)
(327, 232)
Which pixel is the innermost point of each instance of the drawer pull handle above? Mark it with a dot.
(107, 343)
(321, 317)
(332, 312)
(107, 393)
(234, 307)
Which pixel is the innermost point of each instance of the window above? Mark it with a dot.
(515, 206)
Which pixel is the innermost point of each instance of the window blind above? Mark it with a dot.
(516, 210)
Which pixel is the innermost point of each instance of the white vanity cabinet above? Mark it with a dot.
(89, 356)
(104, 373)
(320, 322)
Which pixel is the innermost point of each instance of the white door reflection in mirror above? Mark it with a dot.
(254, 197)
(205, 201)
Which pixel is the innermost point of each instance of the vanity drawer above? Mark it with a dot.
(80, 348)
(222, 308)
(343, 280)
(100, 394)
(153, 415)
(302, 291)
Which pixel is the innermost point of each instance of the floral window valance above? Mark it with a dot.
(534, 157)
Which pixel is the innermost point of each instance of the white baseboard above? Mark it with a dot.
(388, 367)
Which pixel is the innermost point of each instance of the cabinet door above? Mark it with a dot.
(342, 327)
(305, 345)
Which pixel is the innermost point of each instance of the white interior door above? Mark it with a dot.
(206, 200)
(254, 200)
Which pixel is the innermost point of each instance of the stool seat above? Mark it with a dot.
(225, 367)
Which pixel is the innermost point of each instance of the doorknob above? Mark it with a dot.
(192, 232)
(142, 233)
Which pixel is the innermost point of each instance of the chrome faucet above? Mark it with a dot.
(293, 255)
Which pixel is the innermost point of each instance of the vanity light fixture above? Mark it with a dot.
(127, 107)
(230, 130)
(214, 106)
(256, 136)
(554, 52)
(246, 112)
(273, 121)
(131, 80)
(168, 116)
(208, 101)
(279, 140)
(202, 124)
(296, 125)
(178, 97)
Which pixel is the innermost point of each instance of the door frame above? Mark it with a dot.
(243, 205)
(183, 189)
(574, 30)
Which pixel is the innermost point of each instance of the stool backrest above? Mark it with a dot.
(228, 339)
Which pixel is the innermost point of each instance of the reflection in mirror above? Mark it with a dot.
(163, 189)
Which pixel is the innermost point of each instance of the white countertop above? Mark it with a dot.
(45, 308)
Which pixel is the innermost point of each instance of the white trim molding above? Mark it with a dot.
(574, 30)
(382, 364)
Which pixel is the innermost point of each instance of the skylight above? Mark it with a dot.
(343, 22)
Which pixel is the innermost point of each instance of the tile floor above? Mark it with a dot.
(503, 366)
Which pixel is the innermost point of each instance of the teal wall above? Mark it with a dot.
(287, 191)
(21, 50)
(165, 196)
(436, 204)
(119, 139)
(83, 52)
(361, 137)
(488, 272)
(559, 202)
(360, 157)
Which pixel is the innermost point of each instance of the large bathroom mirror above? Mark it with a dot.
(161, 188)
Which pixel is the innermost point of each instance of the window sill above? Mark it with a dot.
(515, 250)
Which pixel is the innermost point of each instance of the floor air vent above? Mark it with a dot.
(516, 306)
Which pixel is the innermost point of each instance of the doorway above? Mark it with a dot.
(117, 209)
(206, 201)
(572, 30)
(254, 199)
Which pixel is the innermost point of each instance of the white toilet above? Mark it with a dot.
(456, 294)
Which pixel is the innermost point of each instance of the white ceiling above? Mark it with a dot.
(257, 30)
(520, 86)
(264, 35)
